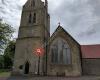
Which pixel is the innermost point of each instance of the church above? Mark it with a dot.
(38, 53)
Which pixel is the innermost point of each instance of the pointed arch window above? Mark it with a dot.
(30, 18)
(54, 54)
(33, 3)
(66, 55)
(60, 53)
(34, 18)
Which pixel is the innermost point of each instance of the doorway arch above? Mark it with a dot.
(26, 70)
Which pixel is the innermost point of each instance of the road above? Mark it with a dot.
(52, 78)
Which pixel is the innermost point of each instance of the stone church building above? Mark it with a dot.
(38, 53)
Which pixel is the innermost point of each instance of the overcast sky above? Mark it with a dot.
(81, 18)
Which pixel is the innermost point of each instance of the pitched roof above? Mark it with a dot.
(90, 51)
(60, 28)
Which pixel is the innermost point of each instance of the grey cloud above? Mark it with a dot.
(10, 11)
(81, 18)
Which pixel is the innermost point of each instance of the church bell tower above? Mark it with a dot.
(34, 32)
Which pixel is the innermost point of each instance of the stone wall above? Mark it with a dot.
(26, 51)
(74, 69)
(91, 66)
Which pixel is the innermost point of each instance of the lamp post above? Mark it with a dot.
(39, 66)
(39, 53)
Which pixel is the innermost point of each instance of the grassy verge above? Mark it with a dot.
(4, 73)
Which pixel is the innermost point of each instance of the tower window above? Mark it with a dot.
(30, 20)
(33, 3)
(34, 18)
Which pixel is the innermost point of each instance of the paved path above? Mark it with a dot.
(52, 78)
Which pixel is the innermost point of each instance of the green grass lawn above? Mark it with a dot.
(4, 73)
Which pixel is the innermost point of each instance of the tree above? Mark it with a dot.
(9, 54)
(5, 34)
(1, 61)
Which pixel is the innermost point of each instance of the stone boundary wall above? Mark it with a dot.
(91, 66)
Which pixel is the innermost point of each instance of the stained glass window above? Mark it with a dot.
(54, 54)
(61, 53)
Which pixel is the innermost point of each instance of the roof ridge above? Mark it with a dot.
(91, 45)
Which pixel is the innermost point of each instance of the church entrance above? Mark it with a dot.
(26, 71)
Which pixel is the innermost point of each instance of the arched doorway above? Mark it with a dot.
(26, 71)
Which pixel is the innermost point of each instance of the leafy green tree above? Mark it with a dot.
(9, 54)
(5, 34)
